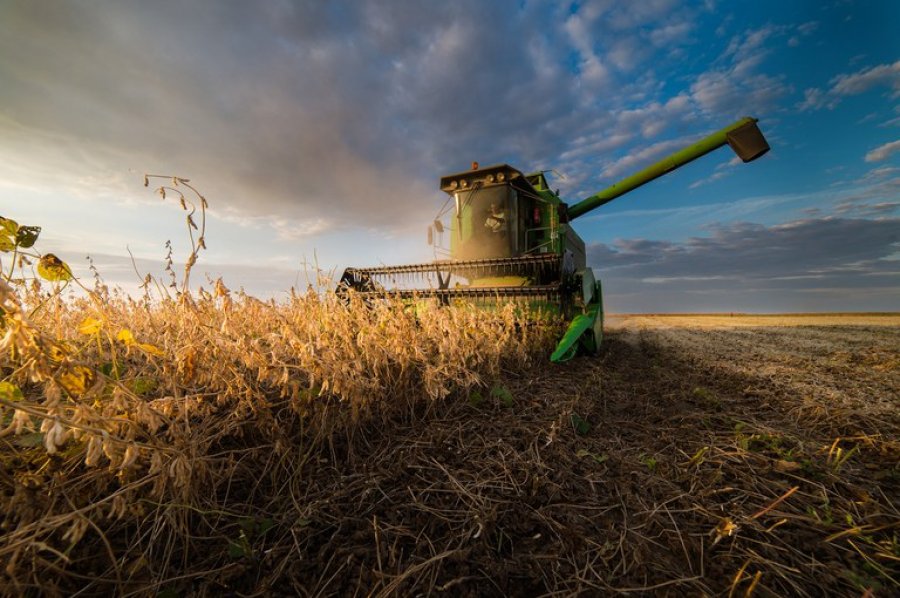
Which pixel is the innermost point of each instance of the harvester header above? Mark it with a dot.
(510, 240)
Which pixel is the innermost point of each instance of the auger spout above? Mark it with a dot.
(743, 136)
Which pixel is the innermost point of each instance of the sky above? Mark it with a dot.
(318, 131)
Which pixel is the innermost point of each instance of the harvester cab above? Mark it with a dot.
(511, 239)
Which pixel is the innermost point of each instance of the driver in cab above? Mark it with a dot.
(496, 220)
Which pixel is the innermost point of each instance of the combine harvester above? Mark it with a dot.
(511, 239)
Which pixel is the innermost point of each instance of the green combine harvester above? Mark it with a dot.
(511, 238)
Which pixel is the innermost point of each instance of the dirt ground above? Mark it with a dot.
(695, 455)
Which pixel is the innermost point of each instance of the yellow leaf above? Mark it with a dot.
(56, 352)
(77, 380)
(725, 529)
(125, 336)
(782, 465)
(152, 349)
(10, 391)
(53, 269)
(90, 326)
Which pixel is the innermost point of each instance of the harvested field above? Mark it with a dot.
(705, 467)
(689, 457)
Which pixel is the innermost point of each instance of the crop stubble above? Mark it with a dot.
(716, 459)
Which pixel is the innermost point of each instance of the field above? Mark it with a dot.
(223, 445)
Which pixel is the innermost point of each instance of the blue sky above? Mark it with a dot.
(318, 132)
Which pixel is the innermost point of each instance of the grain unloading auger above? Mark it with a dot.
(511, 239)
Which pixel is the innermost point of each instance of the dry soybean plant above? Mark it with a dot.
(138, 433)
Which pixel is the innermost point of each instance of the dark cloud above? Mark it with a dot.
(330, 113)
(874, 199)
(825, 263)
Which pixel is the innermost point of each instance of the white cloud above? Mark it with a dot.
(737, 88)
(642, 157)
(593, 72)
(721, 171)
(883, 151)
(849, 84)
(803, 30)
(721, 174)
(667, 34)
(856, 83)
(881, 172)
(595, 145)
(724, 92)
(808, 28)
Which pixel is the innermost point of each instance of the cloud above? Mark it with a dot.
(883, 151)
(856, 83)
(311, 120)
(813, 98)
(849, 84)
(644, 156)
(321, 118)
(347, 113)
(631, 128)
(736, 88)
(881, 172)
(328, 116)
(733, 87)
(745, 263)
(721, 171)
(669, 33)
(803, 30)
(744, 251)
(873, 195)
(808, 28)
(247, 97)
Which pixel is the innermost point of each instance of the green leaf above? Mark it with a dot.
(27, 235)
(580, 424)
(265, 525)
(500, 392)
(476, 399)
(248, 524)
(142, 386)
(110, 370)
(585, 453)
(10, 391)
(239, 549)
(53, 269)
(648, 461)
(253, 527)
(700, 392)
(30, 440)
